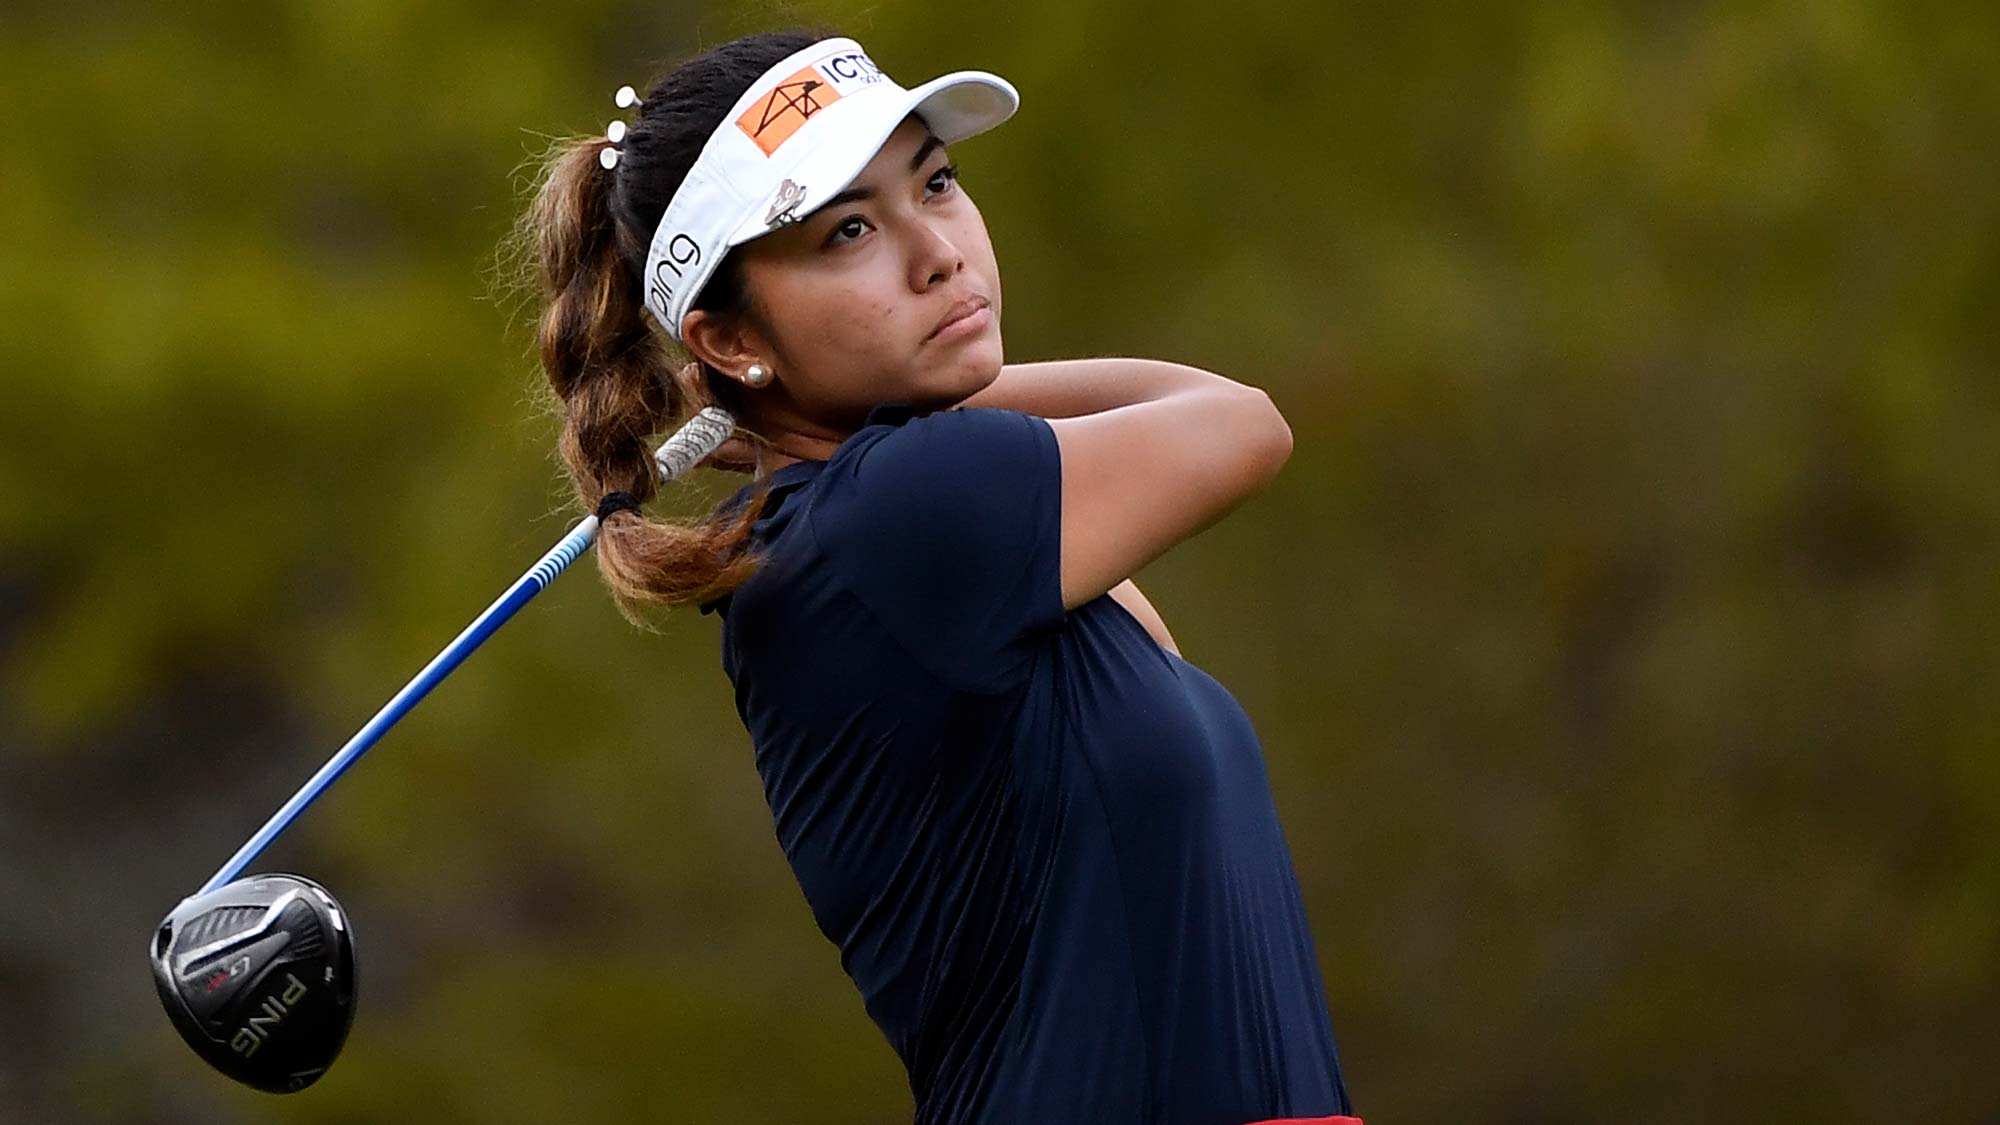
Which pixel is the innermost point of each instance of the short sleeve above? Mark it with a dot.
(948, 529)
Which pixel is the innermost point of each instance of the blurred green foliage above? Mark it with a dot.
(1622, 634)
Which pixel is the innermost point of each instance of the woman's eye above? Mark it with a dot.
(849, 229)
(854, 226)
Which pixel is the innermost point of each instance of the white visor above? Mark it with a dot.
(798, 136)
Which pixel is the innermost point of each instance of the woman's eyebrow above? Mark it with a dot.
(930, 145)
(854, 194)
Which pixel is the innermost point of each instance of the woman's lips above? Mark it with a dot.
(963, 319)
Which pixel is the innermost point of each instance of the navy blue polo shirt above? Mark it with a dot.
(1044, 845)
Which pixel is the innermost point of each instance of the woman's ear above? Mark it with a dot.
(722, 343)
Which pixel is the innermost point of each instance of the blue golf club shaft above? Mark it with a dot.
(524, 588)
(700, 436)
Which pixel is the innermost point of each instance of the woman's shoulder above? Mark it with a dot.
(939, 530)
(905, 463)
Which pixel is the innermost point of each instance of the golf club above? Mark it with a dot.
(257, 973)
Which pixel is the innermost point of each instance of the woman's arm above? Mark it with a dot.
(1071, 388)
(1152, 453)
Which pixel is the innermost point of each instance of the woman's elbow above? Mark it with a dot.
(1272, 443)
(1282, 438)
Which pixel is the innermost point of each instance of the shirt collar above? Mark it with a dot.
(790, 478)
(890, 414)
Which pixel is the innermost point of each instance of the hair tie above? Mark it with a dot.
(616, 502)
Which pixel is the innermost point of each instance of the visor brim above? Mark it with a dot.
(956, 106)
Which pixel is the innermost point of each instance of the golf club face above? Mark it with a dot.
(258, 977)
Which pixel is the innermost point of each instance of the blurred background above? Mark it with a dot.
(1622, 634)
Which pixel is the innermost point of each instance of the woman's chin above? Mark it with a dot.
(980, 360)
(976, 376)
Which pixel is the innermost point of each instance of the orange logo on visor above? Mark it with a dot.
(772, 119)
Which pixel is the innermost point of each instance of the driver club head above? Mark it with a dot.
(258, 977)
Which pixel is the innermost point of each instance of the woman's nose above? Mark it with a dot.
(935, 256)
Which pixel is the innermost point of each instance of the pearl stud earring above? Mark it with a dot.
(757, 375)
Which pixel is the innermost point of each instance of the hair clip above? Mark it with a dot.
(616, 135)
(626, 98)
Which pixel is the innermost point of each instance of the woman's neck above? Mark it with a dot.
(790, 449)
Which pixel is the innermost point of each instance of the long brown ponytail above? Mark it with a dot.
(586, 233)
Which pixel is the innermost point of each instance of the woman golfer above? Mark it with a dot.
(1044, 844)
